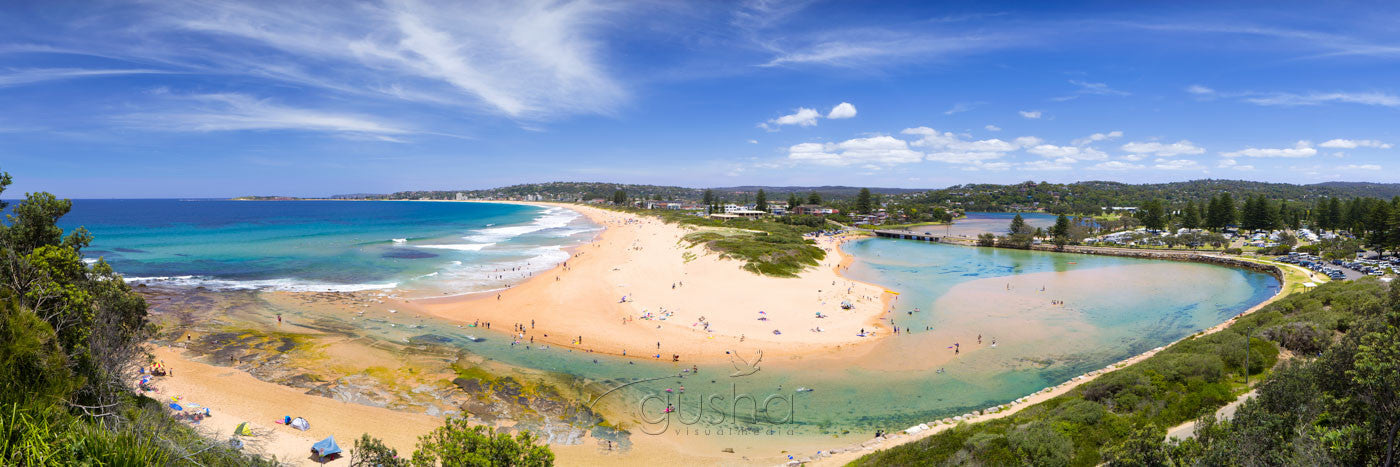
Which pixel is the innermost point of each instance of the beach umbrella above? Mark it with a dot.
(176, 406)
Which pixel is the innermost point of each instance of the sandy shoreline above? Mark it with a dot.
(635, 256)
(710, 305)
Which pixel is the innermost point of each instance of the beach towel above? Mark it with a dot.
(176, 406)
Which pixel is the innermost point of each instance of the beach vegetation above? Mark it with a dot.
(1334, 402)
(458, 443)
(71, 340)
(772, 247)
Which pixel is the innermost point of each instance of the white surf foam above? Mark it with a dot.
(459, 246)
(285, 285)
(552, 218)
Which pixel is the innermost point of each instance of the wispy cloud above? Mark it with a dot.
(238, 112)
(1301, 149)
(40, 75)
(1091, 89)
(527, 59)
(1290, 99)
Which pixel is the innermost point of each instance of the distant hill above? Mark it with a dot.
(570, 191)
(1025, 195)
(1089, 195)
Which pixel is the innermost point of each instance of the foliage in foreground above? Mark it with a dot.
(70, 340)
(1121, 417)
(457, 443)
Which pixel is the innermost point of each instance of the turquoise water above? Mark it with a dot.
(423, 248)
(999, 223)
(1116, 307)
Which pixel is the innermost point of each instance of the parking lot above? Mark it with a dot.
(1342, 270)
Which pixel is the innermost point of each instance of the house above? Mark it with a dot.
(777, 209)
(814, 210)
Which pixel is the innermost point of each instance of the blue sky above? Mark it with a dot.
(180, 98)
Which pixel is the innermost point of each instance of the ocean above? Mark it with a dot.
(419, 248)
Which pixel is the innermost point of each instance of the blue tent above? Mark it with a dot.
(325, 447)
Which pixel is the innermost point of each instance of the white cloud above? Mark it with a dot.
(1301, 149)
(1232, 164)
(961, 107)
(1068, 152)
(1096, 137)
(1027, 141)
(1116, 165)
(1099, 89)
(951, 148)
(802, 117)
(1031, 114)
(869, 48)
(1364, 98)
(1199, 90)
(1133, 157)
(988, 166)
(879, 150)
(1164, 150)
(753, 141)
(1047, 165)
(238, 112)
(1176, 164)
(39, 75)
(992, 128)
(1368, 167)
(1354, 143)
(842, 110)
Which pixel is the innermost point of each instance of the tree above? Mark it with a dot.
(708, 198)
(1143, 447)
(456, 443)
(1060, 232)
(1018, 226)
(619, 197)
(987, 239)
(1227, 210)
(863, 202)
(371, 452)
(814, 198)
(793, 201)
(1153, 215)
(1191, 217)
(1334, 214)
(761, 201)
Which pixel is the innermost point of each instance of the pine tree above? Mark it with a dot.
(863, 202)
(1061, 228)
(1227, 210)
(1153, 215)
(793, 202)
(814, 198)
(1018, 225)
(761, 201)
(1191, 217)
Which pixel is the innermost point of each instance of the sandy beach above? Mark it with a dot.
(639, 291)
